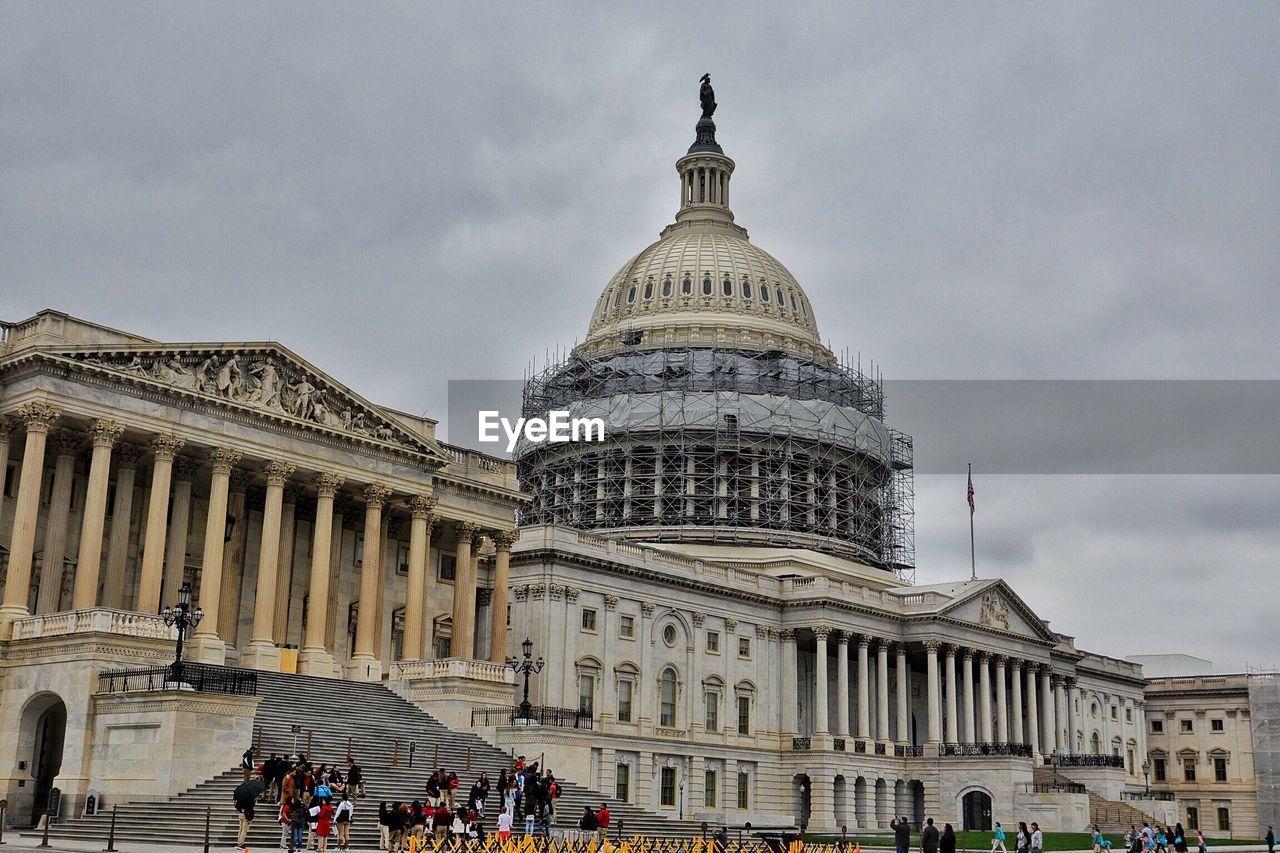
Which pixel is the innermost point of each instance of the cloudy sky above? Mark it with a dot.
(409, 193)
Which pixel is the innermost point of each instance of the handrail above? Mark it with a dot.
(200, 677)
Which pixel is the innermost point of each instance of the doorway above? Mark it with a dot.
(976, 811)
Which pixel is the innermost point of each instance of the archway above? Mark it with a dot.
(975, 811)
(44, 729)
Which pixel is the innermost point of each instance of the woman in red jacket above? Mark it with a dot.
(324, 825)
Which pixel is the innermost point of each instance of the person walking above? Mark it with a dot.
(902, 836)
(1022, 840)
(1179, 838)
(324, 825)
(1037, 838)
(947, 844)
(384, 826)
(342, 817)
(929, 837)
(1204, 848)
(1270, 838)
(997, 839)
(246, 763)
(504, 824)
(602, 822)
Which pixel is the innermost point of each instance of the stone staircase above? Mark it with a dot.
(379, 725)
(1111, 817)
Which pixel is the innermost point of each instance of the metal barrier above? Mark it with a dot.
(1085, 760)
(1016, 750)
(540, 715)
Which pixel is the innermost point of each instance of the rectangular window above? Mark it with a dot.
(508, 615)
(1219, 769)
(402, 558)
(1114, 714)
(709, 790)
(744, 715)
(1128, 715)
(667, 796)
(1189, 769)
(1157, 727)
(586, 693)
(744, 647)
(442, 647)
(1130, 764)
(1193, 817)
(713, 642)
(1158, 769)
(624, 701)
(588, 619)
(1224, 819)
(448, 567)
(622, 783)
(1185, 726)
(744, 791)
(626, 627)
(713, 711)
(11, 483)
(1216, 726)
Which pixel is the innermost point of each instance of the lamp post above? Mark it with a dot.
(1146, 777)
(182, 617)
(1053, 759)
(527, 667)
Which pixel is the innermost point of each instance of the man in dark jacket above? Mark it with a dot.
(902, 836)
(929, 837)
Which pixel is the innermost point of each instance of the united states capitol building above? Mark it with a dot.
(722, 589)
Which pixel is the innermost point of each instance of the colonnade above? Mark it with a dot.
(164, 537)
(978, 701)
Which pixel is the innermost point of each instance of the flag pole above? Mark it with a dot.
(973, 561)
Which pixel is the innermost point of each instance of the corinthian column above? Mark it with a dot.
(127, 458)
(53, 561)
(84, 593)
(1002, 710)
(900, 673)
(39, 418)
(842, 685)
(462, 641)
(502, 542)
(262, 652)
(206, 645)
(864, 688)
(789, 682)
(314, 659)
(1033, 711)
(953, 724)
(969, 734)
(1046, 711)
(284, 565)
(364, 665)
(175, 560)
(421, 508)
(935, 691)
(165, 448)
(882, 690)
(820, 693)
(984, 697)
(1015, 701)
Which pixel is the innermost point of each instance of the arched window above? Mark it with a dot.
(666, 286)
(667, 698)
(764, 292)
(1095, 744)
(706, 286)
(631, 294)
(746, 289)
(781, 302)
(609, 306)
(648, 290)
(686, 286)
(794, 309)
(726, 287)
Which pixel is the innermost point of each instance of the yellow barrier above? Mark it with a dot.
(636, 844)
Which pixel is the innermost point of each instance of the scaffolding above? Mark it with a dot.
(725, 445)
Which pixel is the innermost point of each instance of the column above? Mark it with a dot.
(461, 645)
(175, 559)
(284, 565)
(953, 727)
(1059, 714)
(1073, 722)
(127, 458)
(842, 685)
(821, 692)
(502, 542)
(206, 646)
(882, 690)
(364, 664)
(789, 685)
(935, 689)
(314, 658)
(969, 734)
(900, 671)
(1015, 711)
(864, 689)
(165, 449)
(1046, 711)
(1002, 710)
(54, 556)
(1033, 711)
(237, 537)
(39, 418)
(421, 509)
(7, 425)
(984, 697)
(262, 652)
(84, 593)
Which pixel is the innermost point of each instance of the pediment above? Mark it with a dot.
(996, 607)
(265, 379)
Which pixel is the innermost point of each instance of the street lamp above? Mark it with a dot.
(1146, 776)
(527, 667)
(1054, 758)
(183, 618)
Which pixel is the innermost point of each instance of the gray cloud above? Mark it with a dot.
(408, 194)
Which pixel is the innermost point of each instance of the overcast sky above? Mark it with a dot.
(408, 193)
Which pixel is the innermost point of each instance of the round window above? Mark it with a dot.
(669, 635)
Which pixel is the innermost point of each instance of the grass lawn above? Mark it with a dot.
(981, 841)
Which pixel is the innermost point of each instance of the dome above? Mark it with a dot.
(703, 283)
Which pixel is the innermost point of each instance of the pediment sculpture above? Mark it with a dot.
(994, 613)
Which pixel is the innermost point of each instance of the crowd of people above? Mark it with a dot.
(1152, 839)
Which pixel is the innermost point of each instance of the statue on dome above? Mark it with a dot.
(707, 96)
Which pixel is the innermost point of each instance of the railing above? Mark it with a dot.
(801, 744)
(200, 677)
(1060, 788)
(100, 620)
(880, 750)
(466, 668)
(961, 750)
(838, 744)
(860, 746)
(1162, 796)
(1085, 761)
(906, 750)
(539, 715)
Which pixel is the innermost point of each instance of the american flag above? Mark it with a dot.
(970, 490)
